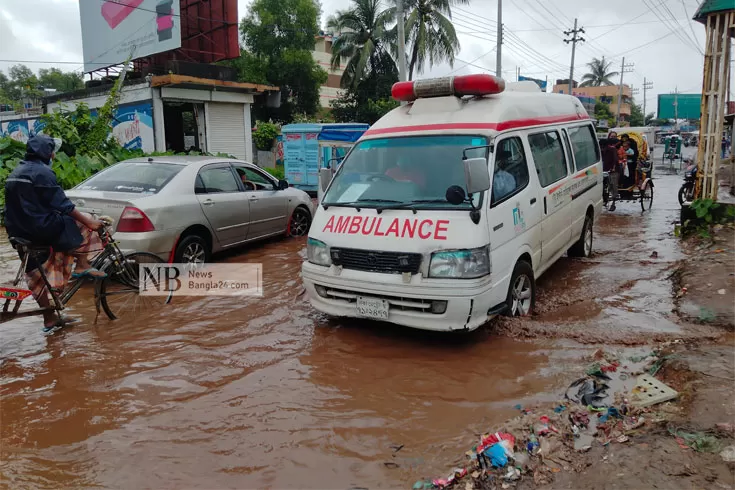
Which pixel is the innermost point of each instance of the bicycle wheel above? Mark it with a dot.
(119, 293)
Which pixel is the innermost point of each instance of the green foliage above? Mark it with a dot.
(599, 73)
(273, 26)
(603, 113)
(264, 134)
(636, 116)
(61, 81)
(430, 35)
(349, 108)
(277, 172)
(707, 214)
(21, 84)
(279, 36)
(250, 68)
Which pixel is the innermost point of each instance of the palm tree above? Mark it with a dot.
(363, 39)
(430, 34)
(599, 74)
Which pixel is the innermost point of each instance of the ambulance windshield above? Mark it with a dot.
(404, 171)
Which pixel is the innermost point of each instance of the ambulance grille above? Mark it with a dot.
(376, 261)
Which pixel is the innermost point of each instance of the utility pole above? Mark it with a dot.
(499, 42)
(574, 40)
(676, 109)
(623, 70)
(646, 87)
(401, 42)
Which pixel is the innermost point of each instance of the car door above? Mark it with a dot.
(553, 175)
(223, 202)
(514, 207)
(268, 204)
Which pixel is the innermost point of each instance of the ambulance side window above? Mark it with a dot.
(548, 156)
(510, 171)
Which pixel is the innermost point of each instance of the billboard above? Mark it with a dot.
(132, 126)
(113, 30)
(688, 106)
(540, 83)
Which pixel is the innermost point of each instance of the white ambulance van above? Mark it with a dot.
(448, 209)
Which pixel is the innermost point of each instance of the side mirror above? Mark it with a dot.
(455, 195)
(477, 175)
(325, 176)
(282, 184)
(333, 163)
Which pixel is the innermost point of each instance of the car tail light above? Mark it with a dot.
(133, 220)
(441, 87)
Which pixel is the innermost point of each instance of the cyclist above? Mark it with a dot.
(37, 210)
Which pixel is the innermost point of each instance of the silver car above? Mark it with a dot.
(185, 208)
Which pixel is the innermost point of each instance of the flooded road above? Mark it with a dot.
(267, 393)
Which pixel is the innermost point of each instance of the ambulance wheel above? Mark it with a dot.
(522, 291)
(583, 247)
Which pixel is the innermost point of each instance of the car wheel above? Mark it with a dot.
(299, 223)
(192, 249)
(522, 291)
(583, 247)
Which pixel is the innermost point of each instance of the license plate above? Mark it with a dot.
(372, 308)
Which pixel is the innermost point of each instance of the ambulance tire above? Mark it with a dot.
(583, 247)
(522, 291)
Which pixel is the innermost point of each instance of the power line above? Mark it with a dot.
(468, 63)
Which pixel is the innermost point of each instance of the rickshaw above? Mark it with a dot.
(639, 185)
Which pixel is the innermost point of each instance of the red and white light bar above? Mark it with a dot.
(441, 87)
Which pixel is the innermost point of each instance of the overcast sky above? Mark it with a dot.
(665, 53)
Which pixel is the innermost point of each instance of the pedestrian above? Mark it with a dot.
(610, 164)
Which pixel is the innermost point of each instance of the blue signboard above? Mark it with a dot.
(540, 83)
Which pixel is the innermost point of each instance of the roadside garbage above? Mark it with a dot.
(650, 391)
(539, 442)
(587, 391)
(728, 454)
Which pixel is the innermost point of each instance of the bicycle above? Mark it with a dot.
(121, 269)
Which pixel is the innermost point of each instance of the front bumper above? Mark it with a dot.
(468, 302)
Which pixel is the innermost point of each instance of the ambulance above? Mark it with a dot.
(448, 209)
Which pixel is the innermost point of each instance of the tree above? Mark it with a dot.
(636, 115)
(650, 117)
(430, 34)
(603, 113)
(599, 74)
(279, 36)
(364, 39)
(61, 81)
(371, 98)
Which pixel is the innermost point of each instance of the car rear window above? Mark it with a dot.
(135, 177)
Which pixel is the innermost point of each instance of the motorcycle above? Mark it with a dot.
(686, 192)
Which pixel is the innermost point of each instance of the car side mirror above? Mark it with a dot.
(325, 176)
(477, 175)
(282, 184)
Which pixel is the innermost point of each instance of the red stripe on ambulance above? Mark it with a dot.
(425, 229)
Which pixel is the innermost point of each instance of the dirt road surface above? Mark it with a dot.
(267, 393)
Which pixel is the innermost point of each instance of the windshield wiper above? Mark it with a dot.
(412, 203)
(357, 203)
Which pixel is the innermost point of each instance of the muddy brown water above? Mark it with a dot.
(267, 393)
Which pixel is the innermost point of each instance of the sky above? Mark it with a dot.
(656, 37)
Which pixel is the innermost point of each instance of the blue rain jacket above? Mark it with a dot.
(36, 207)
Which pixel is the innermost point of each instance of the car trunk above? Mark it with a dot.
(104, 203)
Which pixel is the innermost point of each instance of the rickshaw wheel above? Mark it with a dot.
(647, 197)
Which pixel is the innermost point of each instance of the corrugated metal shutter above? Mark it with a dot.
(226, 129)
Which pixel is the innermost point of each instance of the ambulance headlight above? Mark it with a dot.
(461, 264)
(317, 252)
